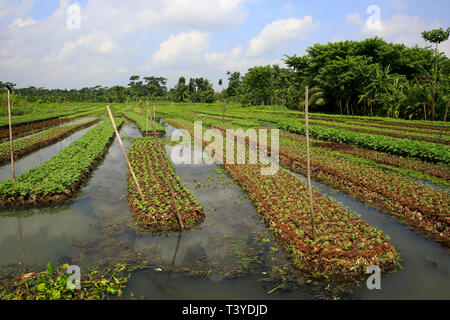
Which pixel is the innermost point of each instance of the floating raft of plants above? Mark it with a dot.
(411, 165)
(157, 212)
(344, 245)
(427, 210)
(431, 152)
(144, 124)
(26, 145)
(57, 179)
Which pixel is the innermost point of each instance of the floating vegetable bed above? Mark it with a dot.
(426, 209)
(417, 149)
(344, 244)
(26, 145)
(429, 169)
(57, 179)
(144, 124)
(157, 212)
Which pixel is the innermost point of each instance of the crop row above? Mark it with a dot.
(416, 149)
(145, 124)
(396, 132)
(426, 137)
(344, 245)
(434, 125)
(154, 174)
(36, 117)
(26, 145)
(57, 179)
(413, 166)
(367, 124)
(414, 203)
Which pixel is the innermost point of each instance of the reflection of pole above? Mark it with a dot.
(174, 203)
(11, 140)
(21, 244)
(308, 162)
(173, 263)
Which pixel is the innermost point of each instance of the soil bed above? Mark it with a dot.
(40, 199)
(344, 244)
(157, 212)
(18, 154)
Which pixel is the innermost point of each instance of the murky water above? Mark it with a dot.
(36, 158)
(229, 256)
(426, 264)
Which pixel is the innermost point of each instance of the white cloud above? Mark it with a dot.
(15, 8)
(114, 37)
(164, 15)
(20, 23)
(278, 32)
(399, 28)
(354, 19)
(182, 48)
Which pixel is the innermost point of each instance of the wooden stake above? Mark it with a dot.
(308, 162)
(11, 139)
(59, 114)
(125, 154)
(146, 123)
(174, 203)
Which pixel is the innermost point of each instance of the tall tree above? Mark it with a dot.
(435, 36)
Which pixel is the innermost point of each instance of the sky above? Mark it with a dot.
(75, 44)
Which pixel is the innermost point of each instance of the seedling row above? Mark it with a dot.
(26, 145)
(344, 244)
(155, 174)
(57, 179)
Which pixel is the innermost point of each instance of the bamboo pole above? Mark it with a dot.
(59, 113)
(174, 203)
(125, 154)
(146, 123)
(154, 112)
(308, 162)
(11, 139)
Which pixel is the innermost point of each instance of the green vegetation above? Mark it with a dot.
(416, 149)
(54, 284)
(157, 212)
(145, 124)
(31, 143)
(368, 78)
(58, 178)
(282, 201)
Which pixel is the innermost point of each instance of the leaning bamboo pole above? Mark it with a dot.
(308, 162)
(125, 154)
(172, 192)
(11, 138)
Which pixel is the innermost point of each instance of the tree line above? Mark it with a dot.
(370, 77)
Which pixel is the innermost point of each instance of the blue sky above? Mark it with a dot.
(192, 38)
